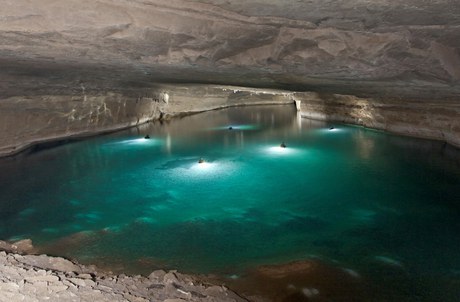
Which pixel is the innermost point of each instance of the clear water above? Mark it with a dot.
(383, 207)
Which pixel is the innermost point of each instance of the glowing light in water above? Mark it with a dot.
(278, 150)
(206, 169)
(331, 130)
(137, 141)
(232, 127)
(205, 166)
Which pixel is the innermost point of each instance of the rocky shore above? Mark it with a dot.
(46, 278)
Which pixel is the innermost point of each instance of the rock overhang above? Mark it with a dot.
(370, 48)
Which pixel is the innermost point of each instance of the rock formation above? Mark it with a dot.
(71, 68)
(45, 278)
(80, 67)
(391, 48)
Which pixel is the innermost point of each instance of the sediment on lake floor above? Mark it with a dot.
(40, 277)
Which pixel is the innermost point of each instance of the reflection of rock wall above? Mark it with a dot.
(28, 120)
(435, 120)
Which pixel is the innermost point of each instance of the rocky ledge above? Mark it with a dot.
(46, 278)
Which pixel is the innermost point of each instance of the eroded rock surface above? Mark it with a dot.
(79, 67)
(395, 48)
(44, 278)
(437, 120)
(25, 121)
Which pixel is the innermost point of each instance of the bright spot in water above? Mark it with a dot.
(204, 166)
(237, 127)
(277, 150)
(328, 130)
(205, 169)
(137, 142)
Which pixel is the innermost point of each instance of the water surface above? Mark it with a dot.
(382, 208)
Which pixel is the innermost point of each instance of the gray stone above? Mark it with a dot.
(9, 287)
(57, 288)
(50, 263)
(41, 278)
(23, 281)
(85, 276)
(157, 275)
(170, 277)
(77, 281)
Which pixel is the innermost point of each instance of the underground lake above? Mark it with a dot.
(342, 213)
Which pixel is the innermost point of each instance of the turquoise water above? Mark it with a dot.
(383, 207)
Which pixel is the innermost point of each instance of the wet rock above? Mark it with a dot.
(23, 246)
(50, 263)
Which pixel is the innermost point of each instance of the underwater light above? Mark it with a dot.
(279, 150)
(204, 166)
(146, 141)
(201, 161)
(239, 127)
(333, 129)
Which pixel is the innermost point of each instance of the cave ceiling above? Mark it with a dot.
(381, 48)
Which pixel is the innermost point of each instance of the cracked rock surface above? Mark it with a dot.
(45, 278)
(387, 48)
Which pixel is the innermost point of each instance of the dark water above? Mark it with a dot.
(375, 213)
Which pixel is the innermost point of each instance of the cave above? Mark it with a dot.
(290, 150)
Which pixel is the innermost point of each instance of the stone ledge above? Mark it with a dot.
(42, 277)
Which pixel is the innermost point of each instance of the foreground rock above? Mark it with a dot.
(45, 278)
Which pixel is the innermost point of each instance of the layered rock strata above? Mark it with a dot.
(25, 121)
(77, 67)
(44, 278)
(437, 120)
(358, 47)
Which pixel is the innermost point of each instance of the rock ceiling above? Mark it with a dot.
(382, 48)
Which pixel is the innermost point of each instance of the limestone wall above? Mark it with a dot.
(437, 119)
(25, 121)
(28, 120)
(354, 47)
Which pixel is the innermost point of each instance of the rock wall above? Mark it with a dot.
(356, 47)
(25, 121)
(72, 67)
(438, 119)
